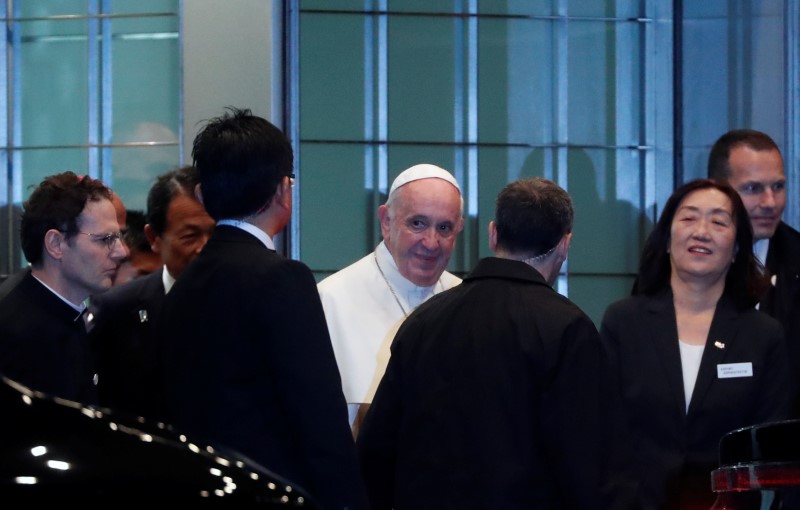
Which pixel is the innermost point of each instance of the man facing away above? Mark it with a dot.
(491, 395)
(71, 238)
(367, 301)
(126, 317)
(750, 161)
(246, 357)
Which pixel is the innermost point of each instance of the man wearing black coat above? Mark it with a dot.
(492, 395)
(70, 236)
(125, 318)
(751, 162)
(247, 362)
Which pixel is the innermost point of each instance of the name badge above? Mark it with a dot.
(731, 370)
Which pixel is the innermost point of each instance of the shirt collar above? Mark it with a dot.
(252, 229)
(760, 249)
(78, 309)
(167, 279)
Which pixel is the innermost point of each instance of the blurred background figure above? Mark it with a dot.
(141, 259)
(694, 358)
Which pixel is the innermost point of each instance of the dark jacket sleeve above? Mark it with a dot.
(305, 371)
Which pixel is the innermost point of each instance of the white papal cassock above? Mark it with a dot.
(363, 317)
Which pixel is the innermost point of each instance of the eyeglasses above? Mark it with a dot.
(109, 239)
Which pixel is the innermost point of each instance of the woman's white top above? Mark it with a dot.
(690, 364)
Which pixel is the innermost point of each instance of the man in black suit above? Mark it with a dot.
(70, 236)
(247, 359)
(491, 398)
(125, 317)
(751, 162)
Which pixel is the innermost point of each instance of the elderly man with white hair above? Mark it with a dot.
(366, 302)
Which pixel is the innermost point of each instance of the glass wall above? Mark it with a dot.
(493, 91)
(735, 70)
(89, 86)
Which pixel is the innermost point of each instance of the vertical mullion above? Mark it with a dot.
(369, 113)
(791, 150)
(291, 117)
(7, 182)
(471, 171)
(106, 90)
(383, 98)
(93, 85)
(559, 175)
(13, 136)
(460, 107)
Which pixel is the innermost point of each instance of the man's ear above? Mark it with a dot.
(153, 239)
(460, 225)
(284, 193)
(563, 246)
(493, 236)
(54, 243)
(198, 193)
(383, 216)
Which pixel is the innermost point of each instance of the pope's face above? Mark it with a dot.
(420, 226)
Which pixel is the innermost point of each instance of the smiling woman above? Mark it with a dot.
(692, 356)
(702, 240)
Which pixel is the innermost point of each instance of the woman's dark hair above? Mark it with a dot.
(745, 282)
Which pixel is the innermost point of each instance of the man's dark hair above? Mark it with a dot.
(744, 282)
(56, 203)
(240, 160)
(133, 233)
(719, 159)
(181, 181)
(532, 216)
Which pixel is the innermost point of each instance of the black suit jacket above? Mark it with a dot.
(248, 364)
(491, 399)
(43, 343)
(783, 298)
(124, 338)
(676, 451)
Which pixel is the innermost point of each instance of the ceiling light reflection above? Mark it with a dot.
(58, 464)
(38, 451)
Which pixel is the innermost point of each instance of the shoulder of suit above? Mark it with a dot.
(787, 234)
(130, 291)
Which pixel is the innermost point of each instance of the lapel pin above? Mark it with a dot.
(719, 345)
(142, 315)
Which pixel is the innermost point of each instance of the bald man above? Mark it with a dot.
(366, 302)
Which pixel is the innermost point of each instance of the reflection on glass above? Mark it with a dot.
(58, 464)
